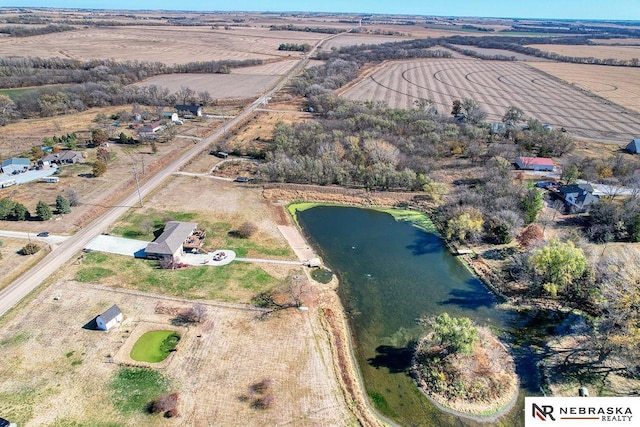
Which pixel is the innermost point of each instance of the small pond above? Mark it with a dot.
(392, 273)
(154, 346)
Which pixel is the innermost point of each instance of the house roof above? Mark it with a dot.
(111, 313)
(192, 108)
(17, 161)
(576, 188)
(62, 156)
(634, 145)
(536, 161)
(172, 238)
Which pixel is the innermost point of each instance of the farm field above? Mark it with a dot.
(496, 86)
(170, 45)
(600, 52)
(242, 83)
(357, 39)
(502, 52)
(231, 350)
(617, 84)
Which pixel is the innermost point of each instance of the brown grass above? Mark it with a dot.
(12, 264)
(213, 366)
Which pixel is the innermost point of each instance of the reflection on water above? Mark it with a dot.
(392, 273)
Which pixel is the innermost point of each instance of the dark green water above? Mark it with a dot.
(391, 273)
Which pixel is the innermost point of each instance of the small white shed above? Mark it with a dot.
(110, 318)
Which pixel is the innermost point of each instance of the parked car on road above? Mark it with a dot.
(43, 234)
(242, 179)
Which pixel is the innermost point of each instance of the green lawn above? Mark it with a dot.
(133, 389)
(154, 346)
(149, 225)
(235, 282)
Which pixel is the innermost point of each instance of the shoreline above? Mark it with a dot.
(336, 326)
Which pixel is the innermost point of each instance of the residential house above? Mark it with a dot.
(63, 157)
(110, 318)
(579, 197)
(194, 110)
(15, 165)
(170, 244)
(153, 127)
(535, 163)
(634, 146)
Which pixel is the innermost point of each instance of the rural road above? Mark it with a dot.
(61, 253)
(53, 239)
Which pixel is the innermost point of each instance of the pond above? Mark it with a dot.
(392, 273)
(154, 346)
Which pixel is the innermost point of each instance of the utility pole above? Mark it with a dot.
(135, 175)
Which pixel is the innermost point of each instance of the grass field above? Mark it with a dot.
(496, 86)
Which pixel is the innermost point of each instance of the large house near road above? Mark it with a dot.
(63, 157)
(176, 237)
(634, 146)
(579, 197)
(110, 318)
(535, 163)
(15, 165)
(195, 110)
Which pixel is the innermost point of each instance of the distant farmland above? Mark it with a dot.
(496, 86)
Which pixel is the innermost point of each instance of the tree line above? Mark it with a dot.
(22, 31)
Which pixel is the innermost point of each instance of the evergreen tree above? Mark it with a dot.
(63, 206)
(43, 211)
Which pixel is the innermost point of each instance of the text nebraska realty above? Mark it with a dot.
(605, 414)
(581, 411)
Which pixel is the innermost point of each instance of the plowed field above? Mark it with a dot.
(496, 86)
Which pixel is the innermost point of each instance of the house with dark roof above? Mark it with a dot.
(170, 244)
(579, 197)
(195, 110)
(15, 165)
(63, 157)
(110, 318)
(535, 163)
(634, 146)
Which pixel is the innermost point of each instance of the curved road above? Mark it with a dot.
(59, 255)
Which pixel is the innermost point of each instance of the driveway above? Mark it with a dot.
(118, 245)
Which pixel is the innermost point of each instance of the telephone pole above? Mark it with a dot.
(135, 175)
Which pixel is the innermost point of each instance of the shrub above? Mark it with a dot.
(246, 230)
(99, 168)
(30, 249)
(167, 404)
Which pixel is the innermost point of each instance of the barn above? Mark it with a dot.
(535, 163)
(110, 318)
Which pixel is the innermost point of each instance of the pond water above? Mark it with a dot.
(392, 273)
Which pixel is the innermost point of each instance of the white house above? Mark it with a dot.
(110, 318)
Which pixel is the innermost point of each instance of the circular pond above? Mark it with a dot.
(154, 346)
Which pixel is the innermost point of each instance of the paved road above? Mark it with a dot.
(53, 239)
(59, 255)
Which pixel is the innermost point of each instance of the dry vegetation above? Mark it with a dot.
(496, 86)
(229, 351)
(171, 45)
(616, 84)
(586, 51)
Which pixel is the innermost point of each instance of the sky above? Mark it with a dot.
(559, 9)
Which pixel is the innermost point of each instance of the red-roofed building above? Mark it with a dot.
(535, 163)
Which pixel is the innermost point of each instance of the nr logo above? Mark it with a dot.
(542, 412)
